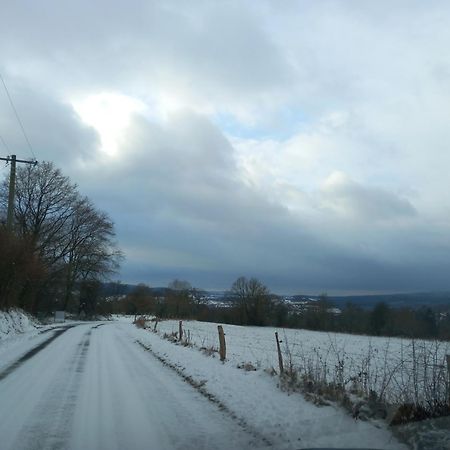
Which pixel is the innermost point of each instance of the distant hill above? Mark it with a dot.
(414, 300)
(109, 289)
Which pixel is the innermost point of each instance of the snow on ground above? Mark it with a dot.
(17, 329)
(14, 322)
(94, 387)
(111, 385)
(378, 363)
(18, 332)
(287, 421)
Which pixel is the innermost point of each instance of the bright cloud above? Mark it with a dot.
(302, 142)
(109, 114)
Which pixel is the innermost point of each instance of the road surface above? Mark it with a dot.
(93, 387)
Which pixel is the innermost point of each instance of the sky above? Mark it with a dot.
(305, 143)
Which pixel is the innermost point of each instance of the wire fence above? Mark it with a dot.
(397, 371)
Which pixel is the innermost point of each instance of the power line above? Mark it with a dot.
(17, 117)
(4, 143)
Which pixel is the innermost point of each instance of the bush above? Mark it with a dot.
(21, 272)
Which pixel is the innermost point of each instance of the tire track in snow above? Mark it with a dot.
(198, 386)
(34, 351)
(53, 415)
(129, 400)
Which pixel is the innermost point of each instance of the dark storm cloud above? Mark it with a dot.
(187, 213)
(354, 199)
(182, 209)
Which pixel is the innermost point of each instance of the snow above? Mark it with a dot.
(15, 321)
(95, 388)
(287, 421)
(387, 363)
(19, 331)
(111, 385)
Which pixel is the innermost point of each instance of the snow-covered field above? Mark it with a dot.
(400, 369)
(287, 421)
(112, 385)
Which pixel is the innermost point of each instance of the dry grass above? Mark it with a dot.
(141, 321)
(413, 387)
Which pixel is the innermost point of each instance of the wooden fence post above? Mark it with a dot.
(222, 344)
(180, 331)
(280, 356)
(448, 378)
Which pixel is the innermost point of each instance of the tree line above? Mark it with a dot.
(60, 249)
(250, 302)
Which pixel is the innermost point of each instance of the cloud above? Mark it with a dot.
(355, 201)
(211, 57)
(188, 211)
(305, 144)
(55, 130)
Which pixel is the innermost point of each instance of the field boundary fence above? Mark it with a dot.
(391, 370)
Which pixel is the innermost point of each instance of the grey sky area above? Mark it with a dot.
(302, 142)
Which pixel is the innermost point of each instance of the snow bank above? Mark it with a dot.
(19, 331)
(14, 322)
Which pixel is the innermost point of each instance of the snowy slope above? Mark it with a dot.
(388, 365)
(18, 332)
(14, 322)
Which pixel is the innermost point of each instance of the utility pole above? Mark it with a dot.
(12, 187)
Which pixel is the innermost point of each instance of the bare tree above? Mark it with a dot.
(89, 252)
(179, 301)
(140, 300)
(253, 301)
(73, 239)
(43, 206)
(179, 285)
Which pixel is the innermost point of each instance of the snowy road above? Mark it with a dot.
(94, 387)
